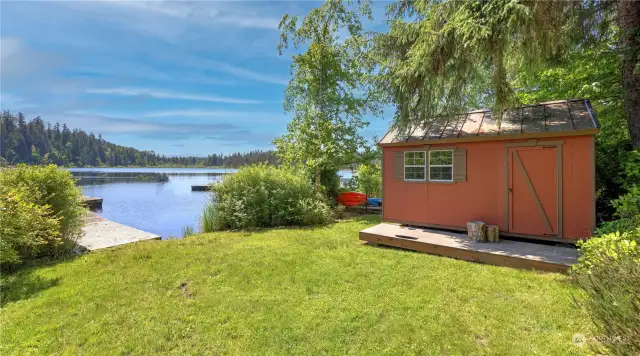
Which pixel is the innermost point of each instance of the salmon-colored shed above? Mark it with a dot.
(532, 174)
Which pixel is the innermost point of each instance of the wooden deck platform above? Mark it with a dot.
(504, 253)
(101, 233)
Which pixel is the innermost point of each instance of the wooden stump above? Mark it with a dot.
(493, 233)
(476, 231)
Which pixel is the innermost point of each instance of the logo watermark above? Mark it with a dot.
(580, 339)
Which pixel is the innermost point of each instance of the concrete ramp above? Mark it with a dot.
(102, 233)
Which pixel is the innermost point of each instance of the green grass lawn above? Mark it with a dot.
(302, 291)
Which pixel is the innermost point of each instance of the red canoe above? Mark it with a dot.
(349, 199)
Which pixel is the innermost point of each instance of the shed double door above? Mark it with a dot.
(533, 191)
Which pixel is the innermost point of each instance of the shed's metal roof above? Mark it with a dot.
(545, 119)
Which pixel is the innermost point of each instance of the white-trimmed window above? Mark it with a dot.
(441, 166)
(415, 165)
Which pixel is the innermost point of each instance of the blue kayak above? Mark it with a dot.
(374, 201)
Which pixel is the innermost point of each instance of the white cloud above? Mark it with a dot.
(206, 13)
(219, 131)
(159, 7)
(203, 64)
(268, 23)
(170, 95)
(12, 102)
(19, 62)
(9, 46)
(241, 72)
(214, 113)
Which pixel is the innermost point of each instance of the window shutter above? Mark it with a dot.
(398, 165)
(460, 165)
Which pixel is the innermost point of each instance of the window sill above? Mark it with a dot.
(414, 180)
(442, 182)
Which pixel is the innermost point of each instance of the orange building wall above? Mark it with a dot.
(482, 196)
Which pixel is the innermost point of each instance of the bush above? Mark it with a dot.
(617, 172)
(41, 212)
(369, 180)
(264, 196)
(627, 213)
(612, 246)
(26, 228)
(329, 180)
(609, 273)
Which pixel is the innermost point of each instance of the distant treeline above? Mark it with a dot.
(35, 142)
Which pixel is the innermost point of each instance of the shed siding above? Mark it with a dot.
(482, 196)
(578, 189)
(393, 201)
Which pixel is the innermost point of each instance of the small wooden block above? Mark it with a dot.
(493, 233)
(476, 231)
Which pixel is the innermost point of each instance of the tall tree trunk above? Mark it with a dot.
(318, 184)
(629, 20)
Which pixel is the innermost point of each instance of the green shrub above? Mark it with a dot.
(615, 245)
(617, 172)
(26, 228)
(329, 180)
(609, 273)
(369, 180)
(627, 213)
(264, 196)
(41, 197)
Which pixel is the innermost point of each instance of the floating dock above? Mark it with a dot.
(93, 203)
(101, 233)
(200, 188)
(504, 253)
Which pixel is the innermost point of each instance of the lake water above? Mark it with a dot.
(157, 200)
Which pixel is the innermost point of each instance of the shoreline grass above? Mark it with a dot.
(284, 291)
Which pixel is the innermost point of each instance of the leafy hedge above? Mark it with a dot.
(609, 269)
(264, 196)
(329, 181)
(41, 213)
(627, 213)
(609, 273)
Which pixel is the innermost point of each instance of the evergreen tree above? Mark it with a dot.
(35, 141)
(446, 57)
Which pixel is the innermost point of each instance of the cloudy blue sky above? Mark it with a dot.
(179, 78)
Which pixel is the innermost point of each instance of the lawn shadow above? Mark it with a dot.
(23, 285)
(366, 218)
(22, 282)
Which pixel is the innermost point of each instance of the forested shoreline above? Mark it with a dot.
(36, 142)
